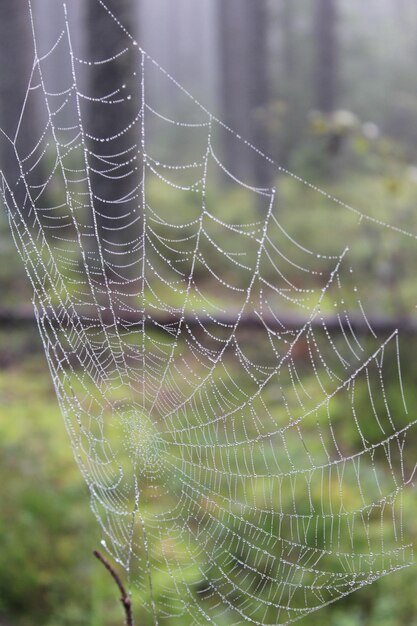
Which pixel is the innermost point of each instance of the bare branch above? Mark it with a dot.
(125, 599)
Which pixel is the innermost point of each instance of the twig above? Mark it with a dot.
(125, 599)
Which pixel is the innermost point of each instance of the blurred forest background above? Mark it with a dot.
(328, 89)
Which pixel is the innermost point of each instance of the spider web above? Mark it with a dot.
(215, 456)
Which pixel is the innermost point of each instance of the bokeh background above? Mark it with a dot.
(328, 89)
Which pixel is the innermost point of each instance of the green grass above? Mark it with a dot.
(48, 575)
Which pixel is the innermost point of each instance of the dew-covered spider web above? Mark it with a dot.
(208, 354)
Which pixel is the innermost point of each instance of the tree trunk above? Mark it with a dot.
(244, 85)
(258, 84)
(327, 55)
(17, 56)
(288, 41)
(233, 95)
(112, 120)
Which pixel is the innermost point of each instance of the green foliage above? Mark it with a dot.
(47, 533)
(47, 572)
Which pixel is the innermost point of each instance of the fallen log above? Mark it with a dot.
(284, 322)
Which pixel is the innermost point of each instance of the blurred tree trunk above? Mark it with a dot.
(287, 92)
(327, 55)
(288, 40)
(111, 119)
(234, 101)
(173, 41)
(17, 56)
(244, 84)
(258, 82)
(327, 75)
